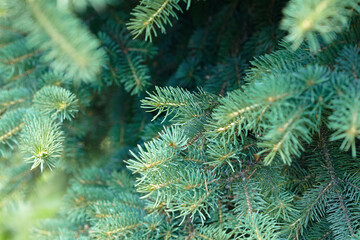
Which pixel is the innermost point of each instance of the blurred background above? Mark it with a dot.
(20, 216)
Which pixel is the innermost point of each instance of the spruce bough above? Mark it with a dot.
(184, 119)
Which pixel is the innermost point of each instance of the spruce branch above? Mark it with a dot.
(304, 20)
(56, 101)
(150, 15)
(11, 124)
(167, 100)
(12, 97)
(69, 46)
(285, 135)
(220, 152)
(41, 141)
(243, 110)
(134, 75)
(348, 60)
(252, 222)
(16, 59)
(126, 58)
(345, 119)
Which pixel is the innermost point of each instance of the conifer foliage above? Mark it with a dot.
(240, 121)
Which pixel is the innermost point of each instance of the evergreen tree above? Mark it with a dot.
(179, 119)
